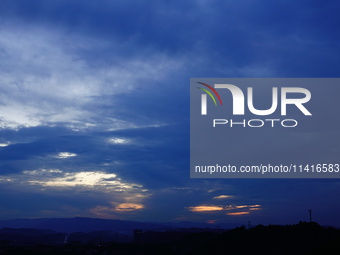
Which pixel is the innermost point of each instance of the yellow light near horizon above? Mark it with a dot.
(205, 208)
(237, 213)
(128, 207)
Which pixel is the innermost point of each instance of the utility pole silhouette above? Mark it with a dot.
(310, 215)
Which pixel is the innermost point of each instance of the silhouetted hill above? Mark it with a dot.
(80, 224)
(97, 237)
(28, 236)
(188, 224)
(300, 239)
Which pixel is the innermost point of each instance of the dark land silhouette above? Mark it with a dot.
(303, 238)
(83, 224)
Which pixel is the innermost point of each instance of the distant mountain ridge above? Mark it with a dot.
(81, 224)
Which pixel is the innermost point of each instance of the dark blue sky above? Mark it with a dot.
(94, 110)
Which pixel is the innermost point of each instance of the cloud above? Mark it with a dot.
(96, 189)
(106, 182)
(128, 207)
(223, 197)
(66, 155)
(117, 140)
(237, 213)
(47, 80)
(235, 209)
(96, 181)
(95, 106)
(42, 172)
(205, 208)
(115, 211)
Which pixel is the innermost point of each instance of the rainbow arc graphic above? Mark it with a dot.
(212, 93)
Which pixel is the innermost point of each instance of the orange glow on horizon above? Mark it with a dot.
(128, 207)
(205, 208)
(255, 209)
(237, 213)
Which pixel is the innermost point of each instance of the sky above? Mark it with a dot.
(94, 106)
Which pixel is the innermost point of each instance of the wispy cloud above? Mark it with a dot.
(205, 208)
(42, 172)
(130, 205)
(47, 81)
(237, 213)
(232, 210)
(119, 140)
(223, 197)
(123, 197)
(97, 181)
(66, 155)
